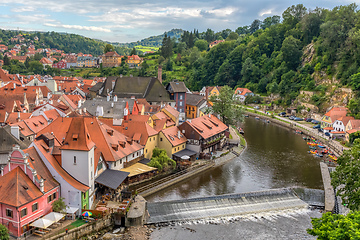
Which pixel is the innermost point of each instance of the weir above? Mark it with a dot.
(224, 205)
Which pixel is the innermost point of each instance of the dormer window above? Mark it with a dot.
(75, 137)
(110, 132)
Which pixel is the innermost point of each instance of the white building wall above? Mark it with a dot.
(71, 195)
(338, 126)
(118, 165)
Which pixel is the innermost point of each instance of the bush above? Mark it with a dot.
(4, 233)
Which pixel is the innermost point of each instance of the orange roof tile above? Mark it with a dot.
(345, 119)
(17, 188)
(172, 111)
(78, 137)
(336, 112)
(45, 150)
(355, 123)
(174, 136)
(52, 114)
(37, 123)
(14, 117)
(242, 91)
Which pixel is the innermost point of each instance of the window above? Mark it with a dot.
(150, 139)
(181, 97)
(51, 197)
(183, 146)
(9, 213)
(154, 138)
(145, 150)
(35, 207)
(91, 162)
(133, 155)
(91, 175)
(114, 164)
(180, 104)
(160, 139)
(23, 212)
(74, 160)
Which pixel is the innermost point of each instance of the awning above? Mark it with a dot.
(42, 223)
(54, 216)
(71, 210)
(112, 178)
(138, 168)
(185, 152)
(144, 161)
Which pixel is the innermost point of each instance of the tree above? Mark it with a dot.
(225, 104)
(4, 233)
(59, 205)
(36, 67)
(109, 48)
(232, 36)
(336, 226)
(167, 47)
(133, 51)
(6, 60)
(255, 25)
(161, 160)
(201, 45)
(291, 51)
(346, 179)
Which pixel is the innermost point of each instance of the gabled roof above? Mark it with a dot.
(8, 140)
(15, 117)
(174, 136)
(3, 76)
(206, 126)
(148, 108)
(17, 188)
(111, 54)
(177, 86)
(46, 151)
(336, 112)
(194, 99)
(355, 123)
(138, 131)
(36, 163)
(172, 111)
(36, 123)
(242, 91)
(52, 114)
(345, 119)
(78, 136)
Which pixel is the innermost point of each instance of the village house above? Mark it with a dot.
(331, 116)
(177, 91)
(62, 64)
(214, 43)
(194, 102)
(352, 126)
(87, 62)
(134, 61)
(210, 91)
(172, 140)
(338, 129)
(46, 62)
(205, 134)
(111, 59)
(27, 191)
(242, 93)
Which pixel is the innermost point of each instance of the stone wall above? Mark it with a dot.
(84, 230)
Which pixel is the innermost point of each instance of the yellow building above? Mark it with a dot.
(111, 59)
(88, 62)
(194, 102)
(134, 61)
(172, 140)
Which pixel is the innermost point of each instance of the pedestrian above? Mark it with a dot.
(66, 230)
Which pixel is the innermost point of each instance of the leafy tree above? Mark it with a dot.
(167, 47)
(291, 51)
(6, 60)
(232, 36)
(36, 67)
(253, 99)
(59, 205)
(346, 179)
(242, 30)
(336, 226)
(4, 233)
(109, 48)
(201, 45)
(226, 106)
(354, 107)
(255, 25)
(160, 160)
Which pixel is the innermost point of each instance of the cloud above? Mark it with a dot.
(23, 9)
(78, 27)
(265, 12)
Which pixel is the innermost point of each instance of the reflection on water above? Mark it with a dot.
(276, 157)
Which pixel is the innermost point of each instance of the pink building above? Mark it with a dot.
(60, 65)
(27, 191)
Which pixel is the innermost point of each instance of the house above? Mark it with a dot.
(242, 93)
(172, 113)
(177, 91)
(137, 87)
(21, 59)
(111, 59)
(146, 108)
(214, 43)
(62, 64)
(31, 126)
(340, 125)
(172, 140)
(210, 91)
(134, 61)
(204, 134)
(46, 62)
(87, 62)
(27, 190)
(194, 102)
(352, 126)
(331, 116)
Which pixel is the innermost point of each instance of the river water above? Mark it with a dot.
(275, 157)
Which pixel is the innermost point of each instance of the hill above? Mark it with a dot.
(153, 41)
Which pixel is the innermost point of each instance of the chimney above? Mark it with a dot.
(15, 131)
(115, 98)
(108, 98)
(179, 135)
(18, 117)
(42, 185)
(84, 109)
(160, 73)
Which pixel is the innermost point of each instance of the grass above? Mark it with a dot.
(230, 136)
(75, 224)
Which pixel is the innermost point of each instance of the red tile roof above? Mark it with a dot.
(13, 117)
(345, 119)
(46, 151)
(242, 91)
(17, 188)
(78, 136)
(52, 114)
(174, 136)
(110, 54)
(172, 111)
(207, 126)
(336, 112)
(355, 123)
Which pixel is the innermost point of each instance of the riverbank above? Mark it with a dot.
(293, 125)
(223, 157)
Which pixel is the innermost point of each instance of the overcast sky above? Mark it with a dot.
(132, 20)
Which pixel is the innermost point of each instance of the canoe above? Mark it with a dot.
(312, 144)
(333, 157)
(321, 146)
(313, 152)
(314, 148)
(319, 155)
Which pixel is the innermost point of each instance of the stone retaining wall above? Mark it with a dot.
(84, 230)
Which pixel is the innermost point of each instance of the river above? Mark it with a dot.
(275, 157)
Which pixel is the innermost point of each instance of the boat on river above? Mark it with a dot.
(311, 147)
(321, 146)
(313, 152)
(312, 144)
(241, 131)
(319, 155)
(257, 118)
(333, 157)
(298, 132)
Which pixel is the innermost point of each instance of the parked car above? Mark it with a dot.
(316, 126)
(309, 119)
(315, 121)
(320, 130)
(297, 119)
(291, 117)
(327, 134)
(282, 114)
(256, 107)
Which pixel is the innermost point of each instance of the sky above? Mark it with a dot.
(132, 20)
